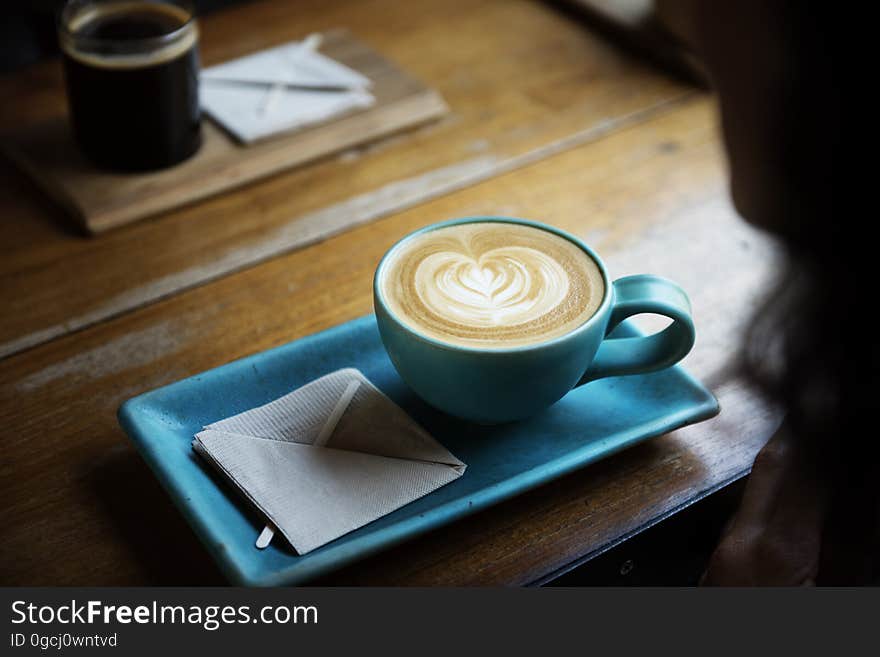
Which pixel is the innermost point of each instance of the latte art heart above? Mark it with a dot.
(491, 284)
(505, 286)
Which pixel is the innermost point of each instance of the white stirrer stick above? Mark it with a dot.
(324, 434)
(309, 44)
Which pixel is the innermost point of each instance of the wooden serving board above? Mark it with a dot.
(101, 200)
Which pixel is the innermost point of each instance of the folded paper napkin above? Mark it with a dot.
(253, 98)
(327, 458)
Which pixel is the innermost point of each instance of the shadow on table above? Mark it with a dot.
(31, 204)
(507, 544)
(168, 551)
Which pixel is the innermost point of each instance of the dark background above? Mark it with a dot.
(27, 29)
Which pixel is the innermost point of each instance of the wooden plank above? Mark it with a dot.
(103, 200)
(80, 507)
(649, 29)
(516, 75)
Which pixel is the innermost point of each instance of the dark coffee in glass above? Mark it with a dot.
(131, 69)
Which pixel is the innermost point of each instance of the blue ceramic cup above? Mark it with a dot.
(491, 386)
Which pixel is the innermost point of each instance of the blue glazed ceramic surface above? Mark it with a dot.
(589, 423)
(495, 385)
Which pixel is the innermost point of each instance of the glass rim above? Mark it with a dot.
(128, 46)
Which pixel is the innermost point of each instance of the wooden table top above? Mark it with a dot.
(547, 121)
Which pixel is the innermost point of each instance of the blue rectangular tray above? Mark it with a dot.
(589, 423)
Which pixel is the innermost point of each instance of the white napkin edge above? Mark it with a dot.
(300, 548)
(228, 477)
(453, 461)
(220, 425)
(333, 72)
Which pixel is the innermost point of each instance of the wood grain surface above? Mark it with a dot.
(101, 200)
(523, 83)
(80, 507)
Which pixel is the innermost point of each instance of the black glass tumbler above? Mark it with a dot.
(131, 69)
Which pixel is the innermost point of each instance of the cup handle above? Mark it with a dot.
(634, 295)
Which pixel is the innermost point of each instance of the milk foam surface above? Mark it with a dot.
(491, 284)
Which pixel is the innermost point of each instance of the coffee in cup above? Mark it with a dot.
(491, 285)
(493, 319)
(131, 69)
